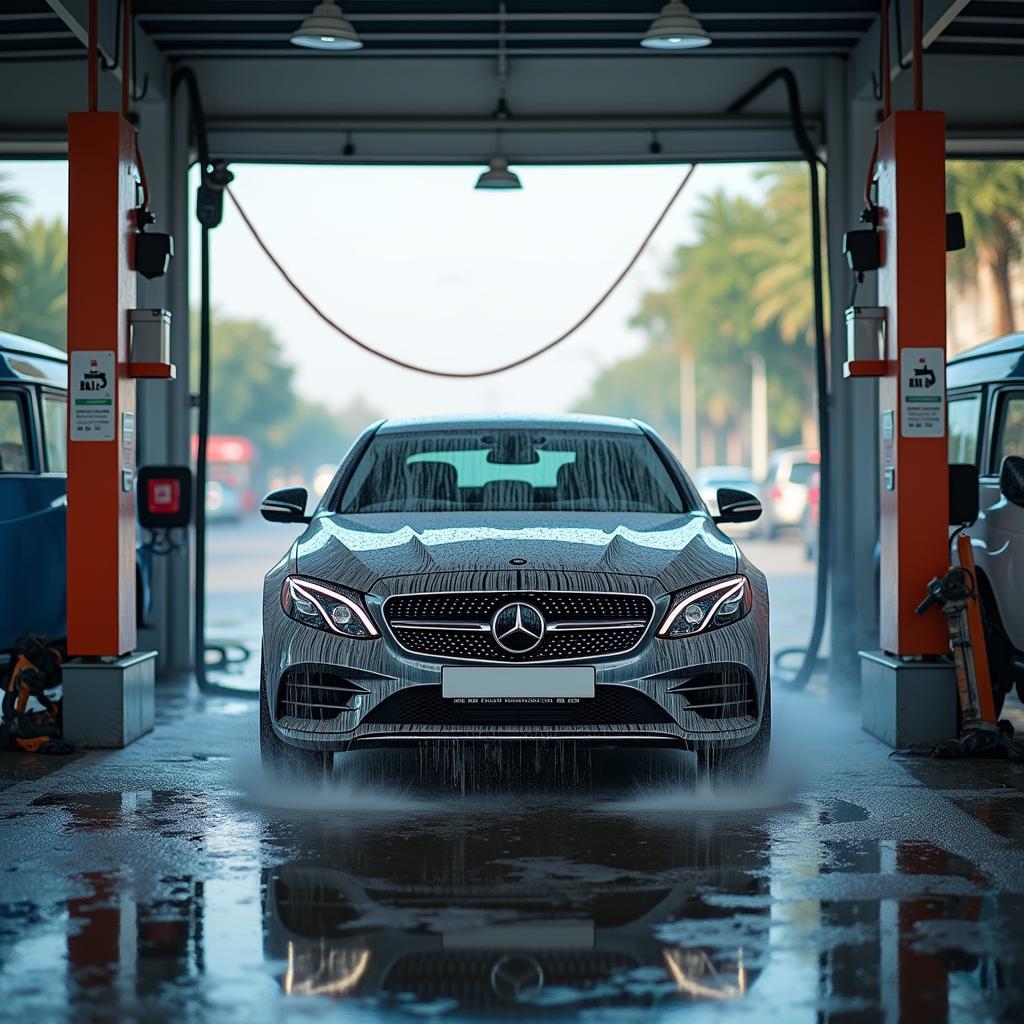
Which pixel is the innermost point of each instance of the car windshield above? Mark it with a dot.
(511, 470)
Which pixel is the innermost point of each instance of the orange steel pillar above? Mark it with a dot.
(912, 285)
(101, 395)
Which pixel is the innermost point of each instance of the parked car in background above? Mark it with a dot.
(34, 492)
(223, 502)
(985, 387)
(233, 462)
(33, 488)
(784, 492)
(708, 479)
(812, 517)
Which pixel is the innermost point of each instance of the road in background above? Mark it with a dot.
(238, 556)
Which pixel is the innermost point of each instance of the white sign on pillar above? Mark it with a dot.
(922, 392)
(92, 383)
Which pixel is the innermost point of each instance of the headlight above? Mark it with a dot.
(333, 609)
(707, 606)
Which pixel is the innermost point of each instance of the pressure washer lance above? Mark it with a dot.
(980, 734)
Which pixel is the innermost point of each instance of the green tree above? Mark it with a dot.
(710, 306)
(10, 221)
(990, 196)
(251, 384)
(783, 293)
(252, 394)
(36, 306)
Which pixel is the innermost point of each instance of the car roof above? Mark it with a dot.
(729, 472)
(1008, 343)
(22, 359)
(563, 421)
(1000, 359)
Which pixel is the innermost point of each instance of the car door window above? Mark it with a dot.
(55, 429)
(963, 428)
(1010, 433)
(14, 453)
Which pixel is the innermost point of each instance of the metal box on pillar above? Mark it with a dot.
(103, 195)
(904, 684)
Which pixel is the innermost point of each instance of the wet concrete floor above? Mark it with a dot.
(169, 881)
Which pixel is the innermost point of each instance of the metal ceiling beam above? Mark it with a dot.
(938, 15)
(489, 16)
(192, 55)
(148, 63)
(411, 36)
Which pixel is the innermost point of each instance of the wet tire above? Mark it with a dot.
(282, 758)
(740, 764)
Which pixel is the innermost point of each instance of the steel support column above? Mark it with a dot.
(914, 496)
(853, 598)
(102, 429)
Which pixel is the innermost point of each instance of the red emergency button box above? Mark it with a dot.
(165, 497)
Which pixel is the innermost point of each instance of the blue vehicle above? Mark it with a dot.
(33, 492)
(33, 488)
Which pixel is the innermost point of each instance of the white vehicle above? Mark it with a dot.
(708, 479)
(986, 428)
(784, 492)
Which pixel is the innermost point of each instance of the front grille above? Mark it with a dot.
(457, 626)
(313, 696)
(610, 705)
(726, 692)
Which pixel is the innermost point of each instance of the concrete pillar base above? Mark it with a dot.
(109, 703)
(905, 703)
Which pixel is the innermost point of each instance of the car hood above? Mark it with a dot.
(357, 551)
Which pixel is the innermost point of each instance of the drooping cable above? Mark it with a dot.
(202, 436)
(463, 374)
(811, 661)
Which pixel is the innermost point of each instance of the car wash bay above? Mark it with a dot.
(170, 877)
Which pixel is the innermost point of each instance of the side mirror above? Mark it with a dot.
(737, 506)
(1011, 479)
(287, 505)
(963, 493)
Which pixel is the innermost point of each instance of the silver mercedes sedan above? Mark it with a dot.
(530, 580)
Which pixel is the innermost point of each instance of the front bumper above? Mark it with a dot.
(661, 693)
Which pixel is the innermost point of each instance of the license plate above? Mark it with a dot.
(506, 682)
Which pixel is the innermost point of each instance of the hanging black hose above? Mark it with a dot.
(209, 211)
(811, 660)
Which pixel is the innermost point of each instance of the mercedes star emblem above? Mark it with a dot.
(517, 627)
(516, 976)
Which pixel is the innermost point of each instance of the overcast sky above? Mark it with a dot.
(420, 264)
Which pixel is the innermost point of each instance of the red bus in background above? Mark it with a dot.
(230, 475)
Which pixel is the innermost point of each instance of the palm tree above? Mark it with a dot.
(10, 221)
(36, 306)
(990, 196)
(784, 292)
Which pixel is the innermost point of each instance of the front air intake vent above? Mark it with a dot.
(309, 695)
(726, 692)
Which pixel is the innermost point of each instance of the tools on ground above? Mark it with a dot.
(33, 673)
(981, 735)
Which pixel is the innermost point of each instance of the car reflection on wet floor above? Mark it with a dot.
(545, 918)
(160, 883)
